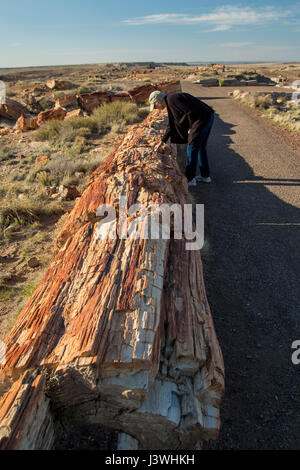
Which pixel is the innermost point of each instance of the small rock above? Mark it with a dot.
(97, 149)
(42, 160)
(12, 110)
(5, 130)
(75, 113)
(6, 277)
(79, 174)
(26, 123)
(58, 84)
(33, 262)
(48, 115)
(51, 190)
(68, 192)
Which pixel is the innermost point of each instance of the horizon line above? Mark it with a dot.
(188, 62)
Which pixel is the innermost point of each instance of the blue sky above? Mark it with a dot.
(40, 32)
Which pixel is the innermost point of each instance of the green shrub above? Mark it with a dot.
(58, 94)
(17, 212)
(45, 181)
(289, 119)
(117, 112)
(5, 153)
(263, 101)
(45, 103)
(82, 89)
(50, 131)
(64, 133)
(87, 123)
(29, 288)
(6, 293)
(62, 168)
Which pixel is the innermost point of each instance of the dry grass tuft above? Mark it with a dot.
(16, 212)
(279, 110)
(102, 120)
(289, 118)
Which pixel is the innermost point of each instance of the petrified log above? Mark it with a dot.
(75, 113)
(12, 110)
(25, 419)
(90, 101)
(169, 87)
(48, 115)
(26, 123)
(67, 101)
(5, 130)
(120, 328)
(208, 82)
(86, 101)
(121, 96)
(36, 90)
(141, 93)
(58, 84)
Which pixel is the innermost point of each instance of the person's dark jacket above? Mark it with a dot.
(185, 113)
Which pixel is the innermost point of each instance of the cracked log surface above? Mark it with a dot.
(119, 331)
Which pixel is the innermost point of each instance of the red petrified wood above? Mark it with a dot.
(120, 329)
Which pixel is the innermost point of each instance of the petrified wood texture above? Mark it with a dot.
(25, 419)
(55, 113)
(90, 101)
(172, 86)
(139, 94)
(12, 110)
(78, 103)
(121, 327)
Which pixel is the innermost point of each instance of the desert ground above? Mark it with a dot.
(251, 252)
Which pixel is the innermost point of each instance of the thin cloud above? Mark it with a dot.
(221, 27)
(155, 19)
(294, 23)
(236, 44)
(221, 19)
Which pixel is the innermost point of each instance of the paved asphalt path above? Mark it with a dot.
(251, 262)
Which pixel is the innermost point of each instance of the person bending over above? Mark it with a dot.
(190, 121)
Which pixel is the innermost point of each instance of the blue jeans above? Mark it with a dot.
(197, 155)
